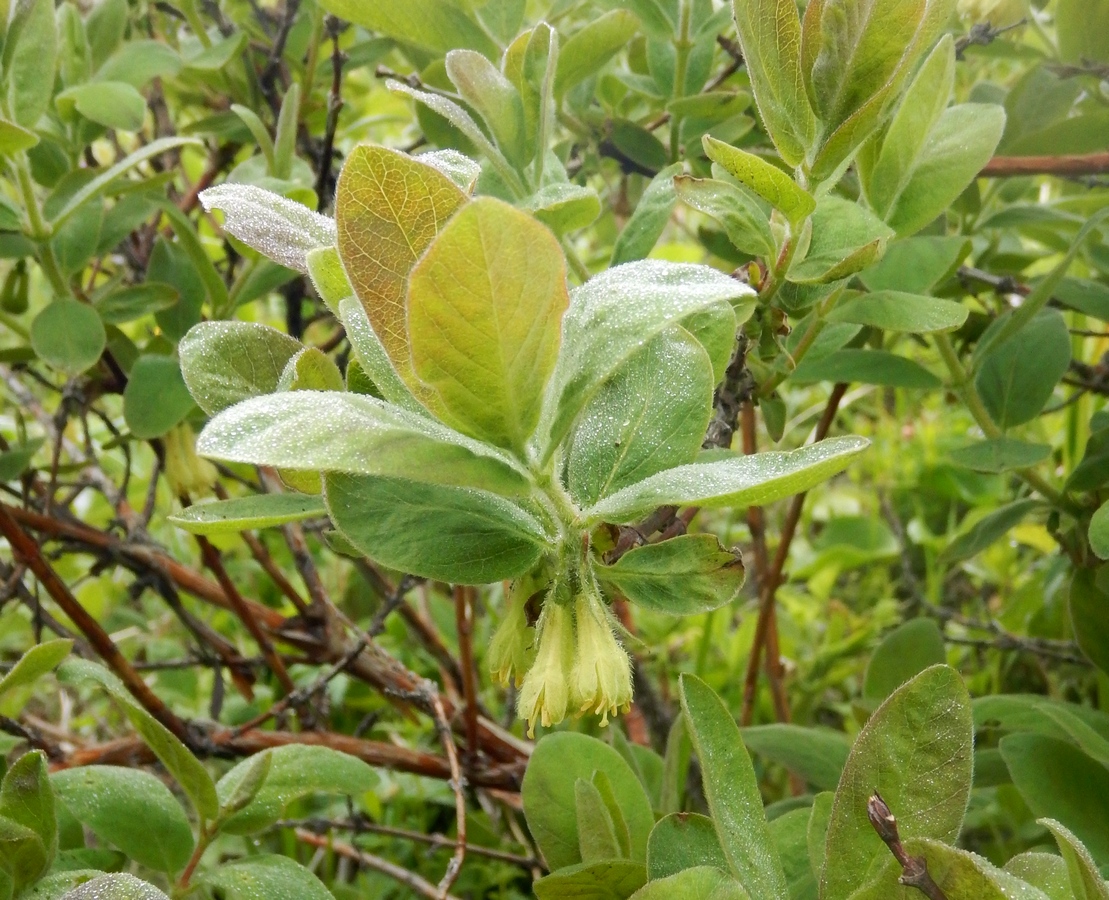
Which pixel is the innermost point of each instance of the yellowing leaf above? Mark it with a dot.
(388, 209)
(484, 311)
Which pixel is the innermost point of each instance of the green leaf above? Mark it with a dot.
(903, 654)
(35, 663)
(564, 207)
(732, 792)
(340, 432)
(1044, 871)
(613, 315)
(370, 353)
(961, 143)
(916, 751)
(14, 138)
(744, 222)
(817, 833)
(185, 768)
(1089, 612)
(117, 886)
(14, 462)
(815, 754)
(325, 269)
(138, 62)
(916, 265)
(279, 228)
(556, 765)
(265, 875)
(134, 302)
(685, 575)
(68, 335)
(733, 481)
(23, 857)
(1012, 391)
(770, 36)
(649, 416)
(248, 513)
(103, 181)
(789, 832)
(958, 874)
(846, 238)
(987, 530)
(435, 25)
(614, 879)
(26, 799)
(388, 209)
(1085, 879)
(597, 831)
(868, 367)
(30, 60)
(920, 109)
(683, 841)
(1055, 777)
(131, 810)
(1099, 531)
(587, 50)
(1081, 28)
(484, 307)
(113, 104)
(652, 213)
(156, 397)
(240, 791)
(700, 883)
(495, 99)
(1086, 728)
(766, 180)
(1000, 455)
(296, 770)
(226, 362)
(448, 533)
(896, 311)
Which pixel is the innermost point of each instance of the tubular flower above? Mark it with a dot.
(188, 475)
(601, 679)
(545, 694)
(512, 648)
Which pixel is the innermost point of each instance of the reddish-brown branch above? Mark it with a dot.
(464, 622)
(1063, 166)
(26, 549)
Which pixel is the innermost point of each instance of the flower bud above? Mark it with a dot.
(545, 694)
(601, 678)
(513, 645)
(188, 475)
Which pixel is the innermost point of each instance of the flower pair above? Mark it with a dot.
(579, 665)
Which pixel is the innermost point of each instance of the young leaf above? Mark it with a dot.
(770, 35)
(896, 311)
(556, 765)
(35, 663)
(766, 180)
(295, 770)
(650, 415)
(610, 318)
(732, 792)
(484, 307)
(175, 756)
(1085, 879)
(1044, 871)
(591, 46)
(131, 810)
(734, 481)
(388, 209)
(682, 841)
(597, 840)
(248, 513)
(564, 207)
(495, 99)
(370, 353)
(30, 58)
(444, 532)
(613, 878)
(282, 229)
(643, 229)
(698, 883)
(226, 362)
(686, 575)
(340, 432)
(846, 238)
(916, 751)
(744, 222)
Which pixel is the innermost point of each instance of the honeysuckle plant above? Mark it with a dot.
(493, 423)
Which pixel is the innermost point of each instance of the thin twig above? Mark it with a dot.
(464, 621)
(914, 869)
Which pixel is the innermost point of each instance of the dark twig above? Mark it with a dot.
(464, 621)
(914, 869)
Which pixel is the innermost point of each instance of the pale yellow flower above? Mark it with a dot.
(513, 646)
(601, 678)
(545, 694)
(188, 475)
